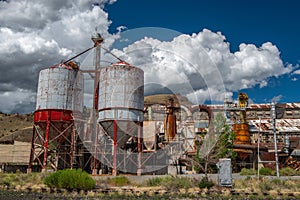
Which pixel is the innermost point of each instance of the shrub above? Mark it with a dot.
(247, 172)
(119, 181)
(71, 179)
(53, 179)
(205, 183)
(266, 171)
(287, 171)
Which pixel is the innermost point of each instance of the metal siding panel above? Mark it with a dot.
(122, 87)
(225, 172)
(56, 89)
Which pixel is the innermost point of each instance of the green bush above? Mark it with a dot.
(119, 181)
(205, 183)
(266, 171)
(52, 180)
(287, 171)
(247, 172)
(71, 179)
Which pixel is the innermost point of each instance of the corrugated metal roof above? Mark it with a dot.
(17, 153)
(292, 105)
(296, 152)
(282, 125)
(260, 106)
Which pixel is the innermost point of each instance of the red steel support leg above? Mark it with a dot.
(32, 150)
(139, 169)
(94, 172)
(114, 171)
(72, 145)
(46, 144)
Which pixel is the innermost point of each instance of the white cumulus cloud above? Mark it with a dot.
(201, 65)
(35, 34)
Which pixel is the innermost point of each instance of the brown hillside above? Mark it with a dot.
(15, 127)
(164, 99)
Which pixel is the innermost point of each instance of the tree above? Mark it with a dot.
(217, 143)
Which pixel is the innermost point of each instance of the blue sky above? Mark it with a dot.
(250, 22)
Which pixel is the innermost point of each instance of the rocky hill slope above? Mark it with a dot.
(15, 127)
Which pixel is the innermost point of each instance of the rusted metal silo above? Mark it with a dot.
(121, 103)
(241, 127)
(59, 99)
(242, 133)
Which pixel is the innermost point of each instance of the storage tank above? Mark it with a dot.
(242, 133)
(149, 135)
(121, 101)
(60, 90)
(60, 87)
(59, 99)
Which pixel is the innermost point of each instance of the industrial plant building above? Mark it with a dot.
(125, 132)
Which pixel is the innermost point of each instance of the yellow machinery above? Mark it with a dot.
(243, 100)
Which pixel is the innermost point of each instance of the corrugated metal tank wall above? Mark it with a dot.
(121, 100)
(60, 88)
(121, 93)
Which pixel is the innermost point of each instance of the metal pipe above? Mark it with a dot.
(108, 51)
(78, 55)
(258, 142)
(72, 145)
(97, 42)
(95, 106)
(275, 140)
(114, 170)
(139, 169)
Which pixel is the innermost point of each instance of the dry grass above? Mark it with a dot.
(249, 188)
(271, 186)
(15, 180)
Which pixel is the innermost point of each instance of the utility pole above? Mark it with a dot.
(273, 111)
(258, 143)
